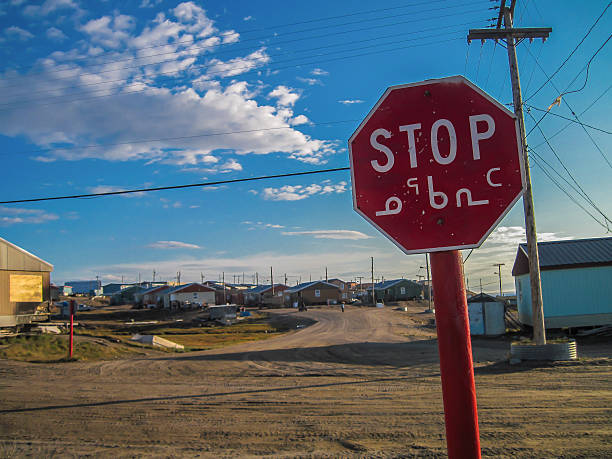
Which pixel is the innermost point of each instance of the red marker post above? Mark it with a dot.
(435, 166)
(455, 347)
(72, 307)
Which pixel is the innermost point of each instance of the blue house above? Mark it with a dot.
(576, 282)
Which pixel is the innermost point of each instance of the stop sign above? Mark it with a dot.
(436, 165)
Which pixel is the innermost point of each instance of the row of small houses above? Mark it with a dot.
(576, 286)
(334, 291)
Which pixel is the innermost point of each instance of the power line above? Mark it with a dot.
(531, 107)
(535, 161)
(584, 193)
(588, 65)
(232, 32)
(190, 67)
(571, 54)
(249, 69)
(187, 137)
(176, 187)
(259, 39)
(581, 113)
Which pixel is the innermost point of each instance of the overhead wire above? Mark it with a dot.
(240, 32)
(571, 176)
(570, 54)
(248, 70)
(175, 187)
(581, 113)
(275, 36)
(212, 64)
(163, 139)
(569, 106)
(531, 107)
(558, 185)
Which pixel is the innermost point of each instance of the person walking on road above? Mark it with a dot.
(342, 306)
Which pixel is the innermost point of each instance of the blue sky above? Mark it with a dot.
(87, 87)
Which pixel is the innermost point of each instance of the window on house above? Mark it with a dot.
(280, 293)
(341, 286)
(344, 295)
(403, 290)
(317, 293)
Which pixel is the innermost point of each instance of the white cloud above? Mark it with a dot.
(309, 81)
(180, 112)
(55, 34)
(111, 189)
(49, 6)
(286, 97)
(299, 192)
(238, 65)
(173, 245)
(319, 72)
(149, 3)
(329, 234)
(109, 32)
(14, 215)
(300, 119)
(17, 33)
(247, 18)
(351, 101)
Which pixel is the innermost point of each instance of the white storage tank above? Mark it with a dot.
(486, 315)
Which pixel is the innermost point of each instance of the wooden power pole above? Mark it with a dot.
(373, 291)
(499, 265)
(509, 35)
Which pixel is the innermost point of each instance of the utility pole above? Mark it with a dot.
(285, 278)
(509, 35)
(178, 278)
(202, 277)
(428, 282)
(359, 277)
(271, 280)
(326, 274)
(373, 291)
(499, 265)
(223, 285)
(257, 279)
(154, 275)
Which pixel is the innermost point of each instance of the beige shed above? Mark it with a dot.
(24, 284)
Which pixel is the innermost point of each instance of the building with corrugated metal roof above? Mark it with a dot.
(24, 284)
(397, 290)
(576, 282)
(315, 292)
(265, 295)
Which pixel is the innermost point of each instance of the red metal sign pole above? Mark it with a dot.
(72, 304)
(456, 367)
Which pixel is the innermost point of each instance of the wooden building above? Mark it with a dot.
(576, 282)
(265, 295)
(316, 292)
(345, 288)
(24, 284)
(398, 290)
(190, 295)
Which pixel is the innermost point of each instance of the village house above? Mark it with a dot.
(397, 290)
(189, 295)
(24, 284)
(265, 295)
(345, 288)
(576, 280)
(316, 292)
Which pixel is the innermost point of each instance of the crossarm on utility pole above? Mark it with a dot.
(502, 34)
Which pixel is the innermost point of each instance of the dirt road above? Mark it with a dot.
(364, 383)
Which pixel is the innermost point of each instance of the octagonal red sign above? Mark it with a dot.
(436, 165)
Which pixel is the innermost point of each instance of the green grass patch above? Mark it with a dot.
(50, 348)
